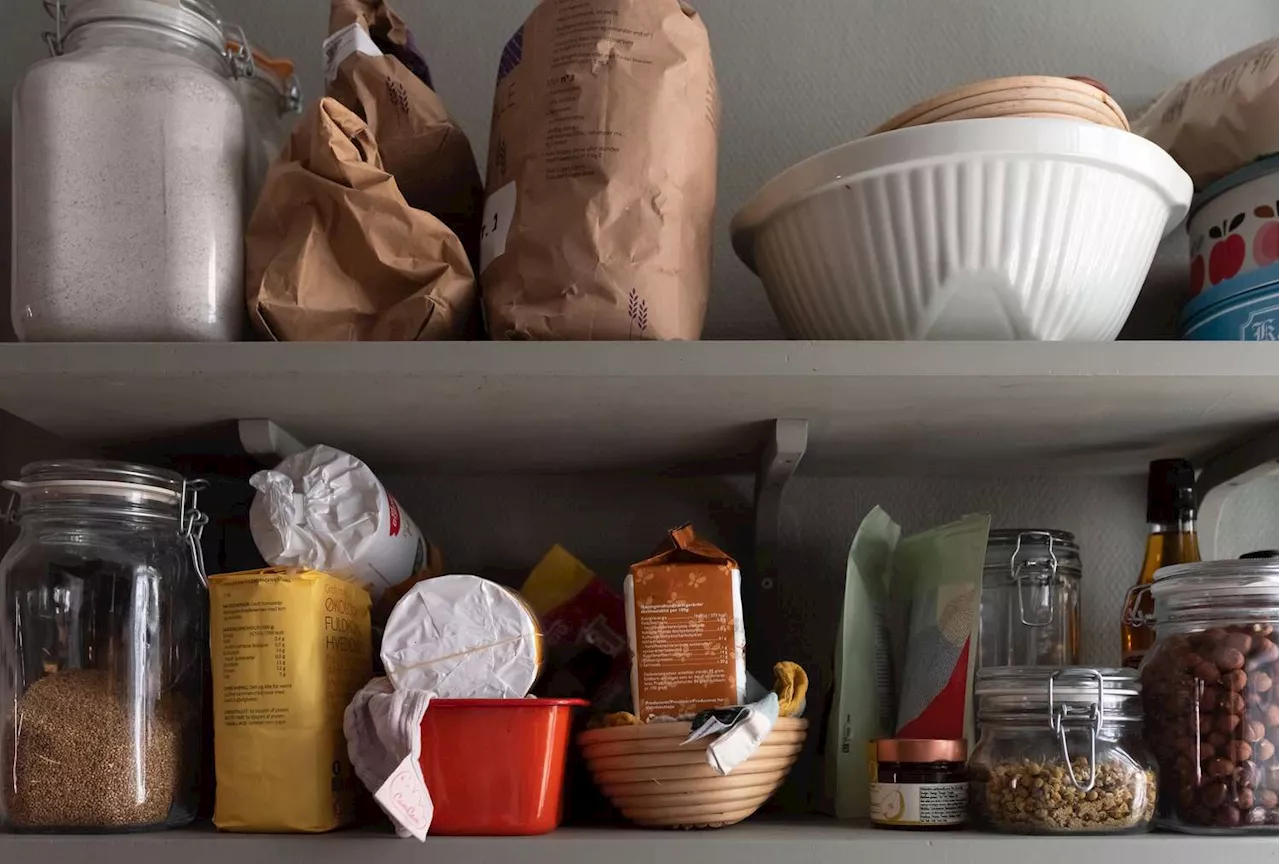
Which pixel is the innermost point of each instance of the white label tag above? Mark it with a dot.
(352, 39)
(499, 211)
(919, 803)
(406, 800)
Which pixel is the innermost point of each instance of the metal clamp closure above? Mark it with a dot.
(240, 57)
(1017, 568)
(191, 524)
(58, 14)
(1135, 617)
(1095, 717)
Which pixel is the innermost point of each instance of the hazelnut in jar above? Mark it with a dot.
(1209, 694)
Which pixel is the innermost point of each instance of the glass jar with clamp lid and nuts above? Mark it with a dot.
(1061, 752)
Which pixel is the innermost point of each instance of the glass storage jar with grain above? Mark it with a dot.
(102, 647)
(1061, 752)
(1030, 599)
(1209, 685)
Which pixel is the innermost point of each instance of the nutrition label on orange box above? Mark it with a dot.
(685, 639)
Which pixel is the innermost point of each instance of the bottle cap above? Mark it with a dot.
(1171, 492)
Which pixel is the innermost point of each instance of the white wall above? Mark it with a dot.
(797, 76)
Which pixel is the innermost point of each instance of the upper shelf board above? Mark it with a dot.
(873, 407)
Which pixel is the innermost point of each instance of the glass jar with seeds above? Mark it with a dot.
(103, 642)
(129, 147)
(1061, 752)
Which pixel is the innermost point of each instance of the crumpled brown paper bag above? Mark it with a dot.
(1222, 119)
(422, 147)
(334, 253)
(602, 174)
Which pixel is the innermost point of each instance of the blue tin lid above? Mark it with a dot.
(1230, 289)
(1255, 169)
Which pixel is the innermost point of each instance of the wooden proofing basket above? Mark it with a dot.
(658, 783)
(1019, 96)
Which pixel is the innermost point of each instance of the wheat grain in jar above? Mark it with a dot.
(128, 170)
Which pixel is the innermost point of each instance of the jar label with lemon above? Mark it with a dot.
(910, 804)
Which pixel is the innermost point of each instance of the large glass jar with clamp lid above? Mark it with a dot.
(1030, 599)
(1209, 683)
(1061, 752)
(103, 643)
(128, 196)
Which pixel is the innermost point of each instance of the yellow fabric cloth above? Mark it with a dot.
(622, 718)
(791, 684)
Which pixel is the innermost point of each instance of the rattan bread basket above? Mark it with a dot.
(1020, 96)
(658, 783)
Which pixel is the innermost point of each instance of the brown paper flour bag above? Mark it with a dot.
(602, 174)
(374, 68)
(1222, 119)
(333, 252)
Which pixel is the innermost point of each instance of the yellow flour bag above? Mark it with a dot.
(290, 649)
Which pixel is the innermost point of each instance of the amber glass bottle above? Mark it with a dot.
(1171, 514)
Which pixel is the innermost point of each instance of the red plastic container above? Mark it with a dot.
(496, 766)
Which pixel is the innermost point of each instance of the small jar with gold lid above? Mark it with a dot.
(920, 784)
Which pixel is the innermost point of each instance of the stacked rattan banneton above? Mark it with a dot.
(657, 782)
(1021, 96)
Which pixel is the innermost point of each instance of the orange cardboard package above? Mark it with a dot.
(685, 629)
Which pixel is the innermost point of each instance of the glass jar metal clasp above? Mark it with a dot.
(1095, 718)
(1017, 569)
(53, 39)
(191, 524)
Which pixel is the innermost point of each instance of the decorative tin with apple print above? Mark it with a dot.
(1233, 226)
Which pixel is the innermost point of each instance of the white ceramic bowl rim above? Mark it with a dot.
(1062, 140)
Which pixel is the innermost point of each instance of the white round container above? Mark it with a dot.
(1005, 228)
(128, 166)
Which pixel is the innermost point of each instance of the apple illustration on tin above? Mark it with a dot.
(1266, 243)
(1227, 256)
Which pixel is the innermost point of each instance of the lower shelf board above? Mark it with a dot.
(813, 842)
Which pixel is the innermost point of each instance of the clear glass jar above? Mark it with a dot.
(103, 646)
(1209, 686)
(128, 178)
(1061, 752)
(1030, 599)
(272, 99)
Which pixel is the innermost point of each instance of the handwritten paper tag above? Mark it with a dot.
(406, 800)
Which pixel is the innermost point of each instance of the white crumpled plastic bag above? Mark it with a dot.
(324, 509)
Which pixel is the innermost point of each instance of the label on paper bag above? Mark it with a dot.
(919, 803)
(405, 798)
(499, 211)
(352, 39)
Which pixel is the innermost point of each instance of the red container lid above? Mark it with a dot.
(508, 703)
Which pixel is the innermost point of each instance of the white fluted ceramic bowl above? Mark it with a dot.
(1008, 228)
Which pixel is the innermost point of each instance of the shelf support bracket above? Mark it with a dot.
(783, 450)
(266, 441)
(1225, 472)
